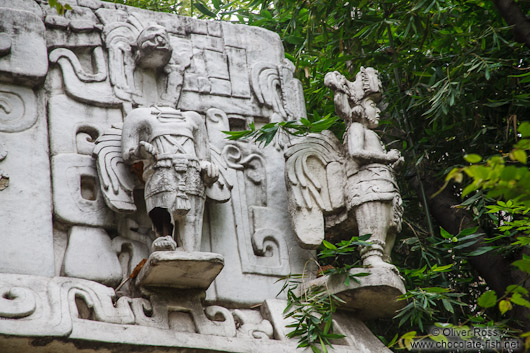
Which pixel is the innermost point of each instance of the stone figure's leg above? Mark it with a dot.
(190, 228)
(163, 227)
(374, 218)
(389, 244)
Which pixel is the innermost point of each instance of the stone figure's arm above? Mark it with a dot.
(339, 84)
(342, 105)
(357, 148)
(209, 171)
(135, 136)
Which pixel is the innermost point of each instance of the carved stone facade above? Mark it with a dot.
(112, 151)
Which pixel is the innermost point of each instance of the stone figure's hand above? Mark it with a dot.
(393, 155)
(335, 81)
(146, 149)
(397, 164)
(209, 172)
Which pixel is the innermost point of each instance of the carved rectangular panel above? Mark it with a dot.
(23, 55)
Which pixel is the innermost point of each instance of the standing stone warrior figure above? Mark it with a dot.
(339, 190)
(174, 149)
(371, 191)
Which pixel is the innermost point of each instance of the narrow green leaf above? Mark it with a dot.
(199, 6)
(481, 251)
(445, 233)
(447, 305)
(329, 245)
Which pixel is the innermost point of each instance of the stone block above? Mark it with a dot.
(89, 255)
(23, 56)
(375, 296)
(25, 207)
(74, 127)
(180, 269)
(77, 198)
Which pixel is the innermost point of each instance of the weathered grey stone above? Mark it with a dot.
(375, 296)
(25, 62)
(92, 4)
(24, 5)
(75, 127)
(19, 108)
(77, 198)
(25, 209)
(352, 185)
(131, 116)
(89, 255)
(180, 269)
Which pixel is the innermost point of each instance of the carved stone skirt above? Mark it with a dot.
(374, 182)
(168, 185)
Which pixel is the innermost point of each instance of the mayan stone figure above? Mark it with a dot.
(149, 229)
(371, 190)
(359, 194)
(173, 147)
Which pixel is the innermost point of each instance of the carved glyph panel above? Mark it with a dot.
(76, 193)
(18, 108)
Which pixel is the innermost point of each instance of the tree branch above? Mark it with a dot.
(512, 14)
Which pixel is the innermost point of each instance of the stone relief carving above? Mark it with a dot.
(347, 189)
(65, 300)
(66, 307)
(132, 111)
(173, 152)
(262, 249)
(17, 108)
(17, 302)
(77, 196)
(274, 86)
(173, 148)
(91, 88)
(86, 244)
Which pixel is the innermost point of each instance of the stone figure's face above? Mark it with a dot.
(372, 112)
(154, 49)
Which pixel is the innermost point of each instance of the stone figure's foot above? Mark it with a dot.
(377, 262)
(164, 244)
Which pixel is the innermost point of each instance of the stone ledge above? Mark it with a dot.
(90, 337)
(374, 297)
(180, 269)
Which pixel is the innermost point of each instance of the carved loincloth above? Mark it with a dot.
(374, 182)
(170, 181)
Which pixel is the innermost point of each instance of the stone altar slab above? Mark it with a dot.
(180, 269)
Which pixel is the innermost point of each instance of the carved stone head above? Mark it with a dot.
(153, 47)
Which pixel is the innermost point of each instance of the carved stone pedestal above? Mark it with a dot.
(374, 297)
(180, 269)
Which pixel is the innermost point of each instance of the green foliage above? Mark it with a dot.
(59, 6)
(266, 133)
(487, 299)
(506, 179)
(339, 259)
(424, 304)
(312, 310)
